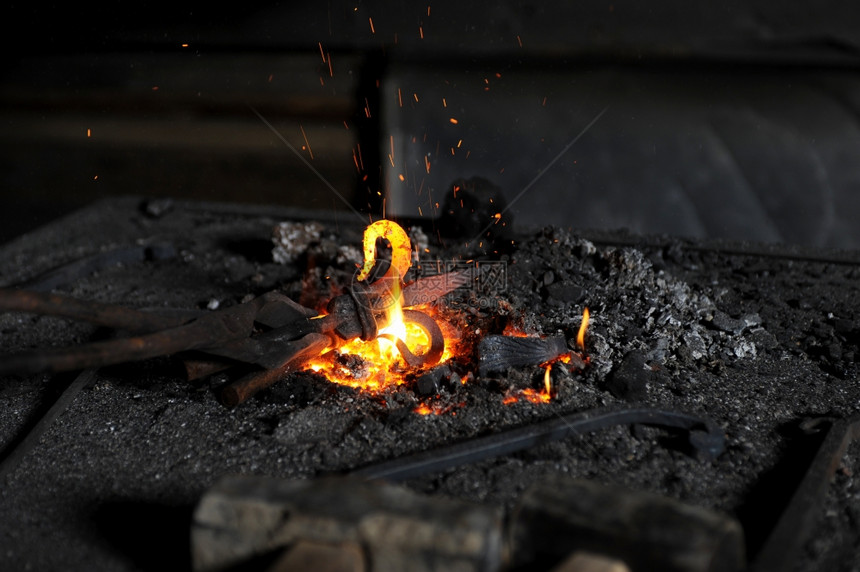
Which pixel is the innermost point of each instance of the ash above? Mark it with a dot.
(636, 309)
(756, 343)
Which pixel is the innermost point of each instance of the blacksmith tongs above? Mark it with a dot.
(271, 331)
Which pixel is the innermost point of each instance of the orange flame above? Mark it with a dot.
(580, 336)
(533, 395)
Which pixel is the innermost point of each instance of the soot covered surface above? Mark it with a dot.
(755, 342)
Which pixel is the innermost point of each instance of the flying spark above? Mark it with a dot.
(307, 144)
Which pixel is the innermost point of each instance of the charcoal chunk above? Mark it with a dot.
(498, 353)
(726, 323)
(844, 327)
(432, 382)
(629, 381)
(565, 292)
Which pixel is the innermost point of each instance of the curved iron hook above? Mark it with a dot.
(434, 334)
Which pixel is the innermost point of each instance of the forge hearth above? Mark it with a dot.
(759, 341)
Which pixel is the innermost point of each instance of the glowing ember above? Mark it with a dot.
(516, 332)
(533, 395)
(424, 409)
(437, 409)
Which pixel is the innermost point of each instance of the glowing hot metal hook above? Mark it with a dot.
(401, 248)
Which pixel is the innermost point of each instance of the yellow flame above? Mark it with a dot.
(396, 326)
(580, 336)
(547, 380)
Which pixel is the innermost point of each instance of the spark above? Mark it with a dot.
(444, 103)
(415, 95)
(454, 121)
(89, 132)
(421, 31)
(322, 53)
(305, 161)
(307, 143)
(549, 165)
(330, 70)
(372, 29)
(520, 41)
(399, 97)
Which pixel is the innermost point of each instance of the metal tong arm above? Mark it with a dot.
(169, 335)
(108, 315)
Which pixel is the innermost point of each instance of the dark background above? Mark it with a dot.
(732, 120)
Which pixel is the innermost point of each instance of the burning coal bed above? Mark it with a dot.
(546, 324)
